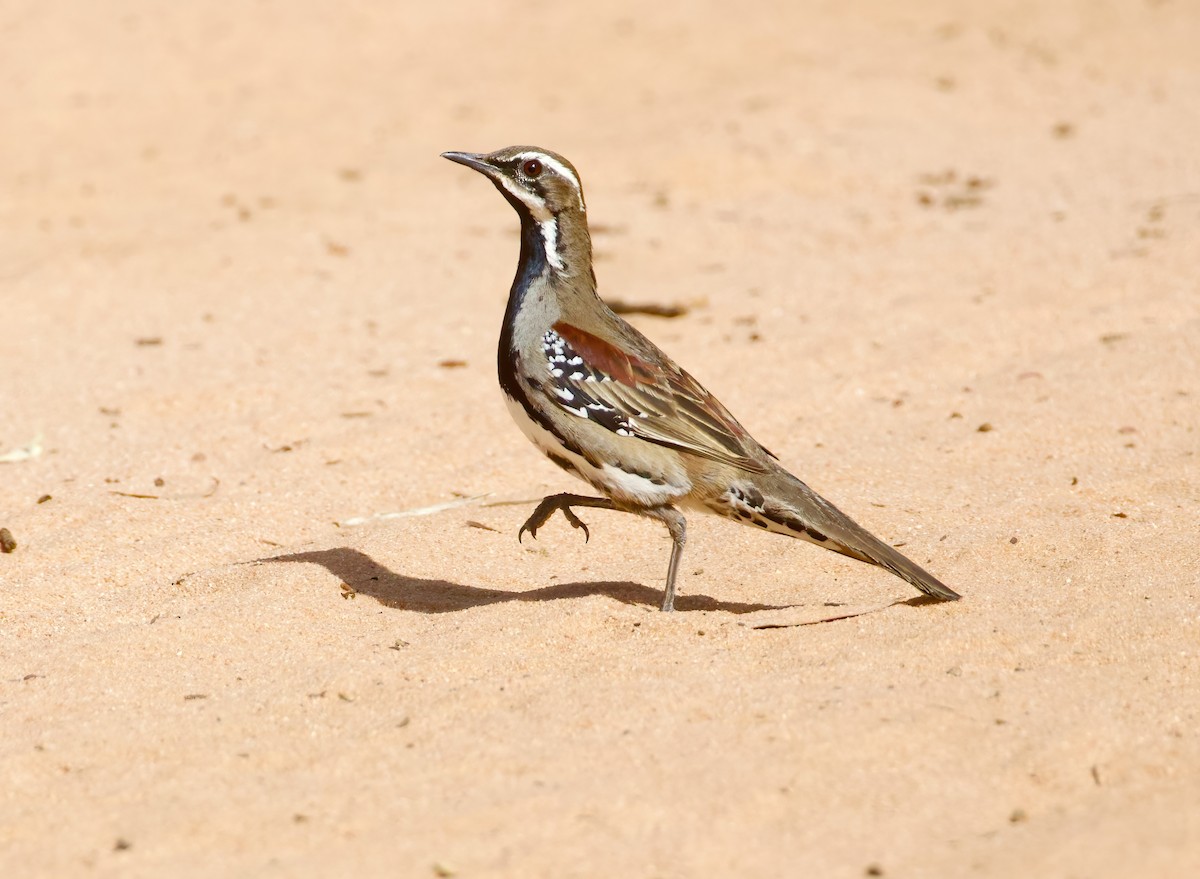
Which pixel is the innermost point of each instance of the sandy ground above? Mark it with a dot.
(942, 258)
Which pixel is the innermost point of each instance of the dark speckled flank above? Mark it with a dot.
(794, 524)
(746, 504)
(747, 494)
(815, 535)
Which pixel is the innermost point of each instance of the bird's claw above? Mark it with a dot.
(540, 517)
(576, 522)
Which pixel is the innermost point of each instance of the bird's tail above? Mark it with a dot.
(791, 507)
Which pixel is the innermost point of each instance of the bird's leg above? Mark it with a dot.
(677, 528)
(563, 503)
(669, 516)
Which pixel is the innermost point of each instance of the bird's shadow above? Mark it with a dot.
(366, 576)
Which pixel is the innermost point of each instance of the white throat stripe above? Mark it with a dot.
(550, 238)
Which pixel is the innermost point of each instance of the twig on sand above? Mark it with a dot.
(519, 502)
(177, 497)
(418, 511)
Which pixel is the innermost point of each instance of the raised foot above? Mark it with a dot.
(543, 513)
(562, 503)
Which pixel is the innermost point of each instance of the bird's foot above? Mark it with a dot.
(547, 508)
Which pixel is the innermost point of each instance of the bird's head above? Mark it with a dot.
(544, 189)
(537, 182)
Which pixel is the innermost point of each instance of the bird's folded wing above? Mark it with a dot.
(653, 401)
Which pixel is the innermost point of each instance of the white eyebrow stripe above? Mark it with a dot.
(561, 169)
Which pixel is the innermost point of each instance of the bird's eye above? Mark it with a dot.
(531, 167)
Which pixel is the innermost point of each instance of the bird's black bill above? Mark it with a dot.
(471, 160)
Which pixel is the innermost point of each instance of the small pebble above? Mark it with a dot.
(7, 542)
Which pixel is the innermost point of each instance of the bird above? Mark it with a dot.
(607, 405)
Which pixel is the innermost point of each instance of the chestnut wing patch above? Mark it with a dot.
(605, 357)
(625, 393)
